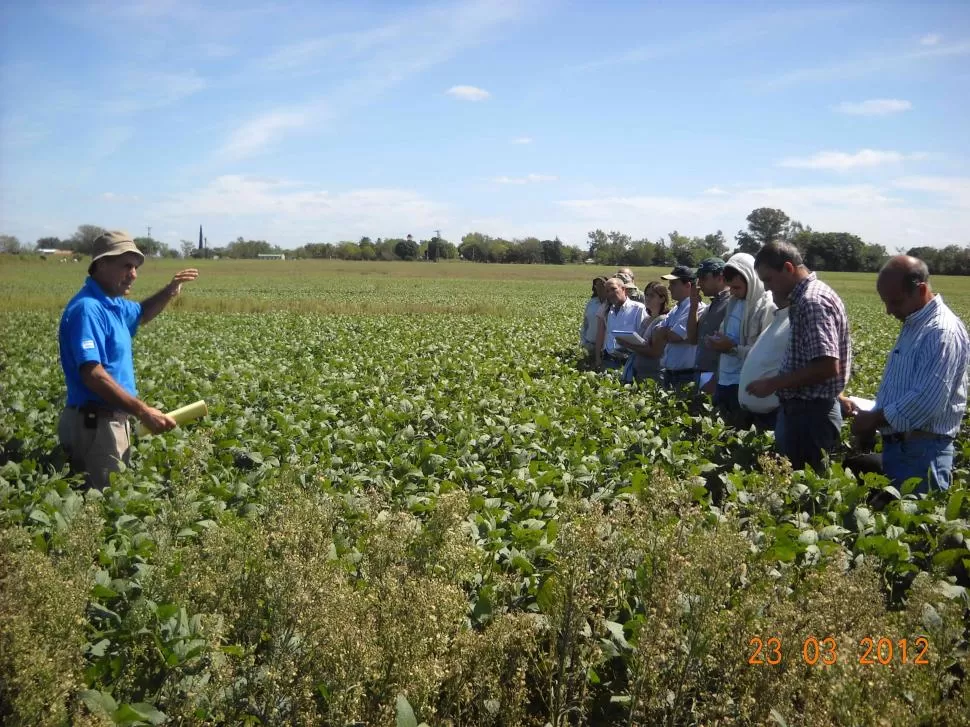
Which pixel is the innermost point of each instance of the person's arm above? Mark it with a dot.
(600, 341)
(937, 361)
(693, 315)
(817, 371)
(97, 379)
(156, 303)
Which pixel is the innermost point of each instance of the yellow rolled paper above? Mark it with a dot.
(182, 415)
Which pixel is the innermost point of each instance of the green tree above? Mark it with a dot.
(9, 244)
(406, 249)
(368, 250)
(552, 252)
(767, 224)
(150, 247)
(83, 240)
(746, 242)
(475, 246)
(716, 243)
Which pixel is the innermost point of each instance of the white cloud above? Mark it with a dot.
(522, 140)
(930, 39)
(956, 190)
(881, 215)
(263, 130)
(715, 191)
(431, 35)
(841, 161)
(468, 93)
(142, 91)
(859, 66)
(527, 179)
(291, 213)
(874, 107)
(113, 197)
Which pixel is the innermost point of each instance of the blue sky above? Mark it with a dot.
(312, 122)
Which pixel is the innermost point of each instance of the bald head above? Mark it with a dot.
(908, 271)
(904, 286)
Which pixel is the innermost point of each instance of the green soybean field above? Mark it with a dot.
(411, 503)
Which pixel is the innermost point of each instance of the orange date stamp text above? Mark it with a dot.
(825, 651)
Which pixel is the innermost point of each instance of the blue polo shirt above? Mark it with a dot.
(97, 329)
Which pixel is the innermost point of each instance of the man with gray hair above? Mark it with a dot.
(95, 346)
(923, 394)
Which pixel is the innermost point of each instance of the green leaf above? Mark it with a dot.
(405, 715)
(98, 701)
(38, 515)
(954, 503)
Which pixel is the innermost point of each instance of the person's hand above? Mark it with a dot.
(719, 342)
(864, 425)
(762, 388)
(659, 334)
(696, 297)
(849, 409)
(156, 421)
(182, 276)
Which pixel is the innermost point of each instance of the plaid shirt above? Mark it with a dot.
(819, 328)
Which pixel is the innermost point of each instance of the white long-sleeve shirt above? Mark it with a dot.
(924, 384)
(629, 317)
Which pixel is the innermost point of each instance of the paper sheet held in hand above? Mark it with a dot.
(863, 404)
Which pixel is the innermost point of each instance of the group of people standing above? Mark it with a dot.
(772, 349)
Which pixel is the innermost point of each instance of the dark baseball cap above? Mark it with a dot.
(711, 266)
(681, 272)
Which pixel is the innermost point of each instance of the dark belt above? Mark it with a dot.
(614, 357)
(98, 410)
(897, 437)
(681, 372)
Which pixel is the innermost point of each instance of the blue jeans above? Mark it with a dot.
(929, 459)
(806, 428)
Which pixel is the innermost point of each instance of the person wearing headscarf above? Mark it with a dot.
(750, 310)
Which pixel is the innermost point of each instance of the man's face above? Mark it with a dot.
(711, 284)
(899, 302)
(679, 289)
(779, 282)
(116, 274)
(738, 287)
(614, 292)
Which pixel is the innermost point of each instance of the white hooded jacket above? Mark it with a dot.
(759, 308)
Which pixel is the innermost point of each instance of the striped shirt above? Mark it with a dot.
(924, 385)
(819, 329)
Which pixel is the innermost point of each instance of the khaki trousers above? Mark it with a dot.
(96, 451)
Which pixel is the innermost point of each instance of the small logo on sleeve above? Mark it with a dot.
(87, 344)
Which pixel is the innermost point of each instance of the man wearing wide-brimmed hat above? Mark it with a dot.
(95, 345)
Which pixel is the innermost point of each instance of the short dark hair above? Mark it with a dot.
(774, 255)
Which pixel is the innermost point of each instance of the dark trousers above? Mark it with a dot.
(678, 379)
(730, 409)
(807, 429)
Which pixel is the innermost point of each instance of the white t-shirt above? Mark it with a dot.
(629, 317)
(679, 356)
(764, 360)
